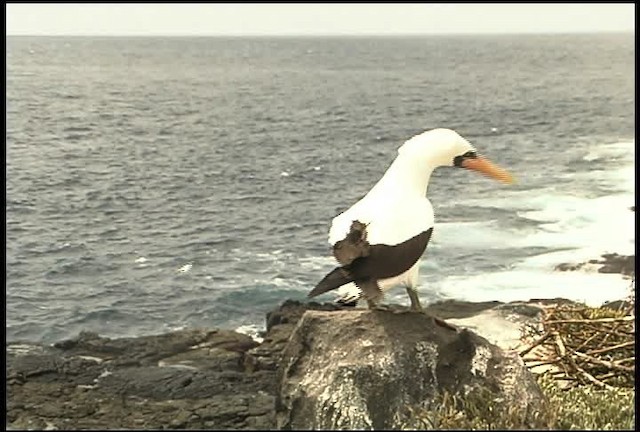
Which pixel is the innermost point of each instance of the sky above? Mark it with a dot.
(180, 19)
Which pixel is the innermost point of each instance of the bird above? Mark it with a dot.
(379, 240)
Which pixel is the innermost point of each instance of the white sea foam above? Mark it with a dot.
(472, 235)
(314, 263)
(573, 228)
(279, 282)
(251, 330)
(185, 268)
(620, 149)
(591, 288)
(591, 156)
(603, 223)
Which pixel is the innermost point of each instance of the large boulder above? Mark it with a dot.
(362, 369)
(280, 322)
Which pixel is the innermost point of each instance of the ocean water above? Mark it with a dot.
(162, 183)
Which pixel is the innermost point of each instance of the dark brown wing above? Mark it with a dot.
(334, 279)
(385, 261)
(378, 262)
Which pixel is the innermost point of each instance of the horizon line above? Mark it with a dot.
(506, 33)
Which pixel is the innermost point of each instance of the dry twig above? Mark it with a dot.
(586, 345)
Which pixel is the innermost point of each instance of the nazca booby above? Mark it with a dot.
(379, 240)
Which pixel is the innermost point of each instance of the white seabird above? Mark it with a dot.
(379, 240)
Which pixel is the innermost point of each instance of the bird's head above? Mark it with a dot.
(445, 147)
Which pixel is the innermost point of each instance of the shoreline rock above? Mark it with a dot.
(611, 263)
(189, 379)
(202, 378)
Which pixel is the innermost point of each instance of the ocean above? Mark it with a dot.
(155, 184)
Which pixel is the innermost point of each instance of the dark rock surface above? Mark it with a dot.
(192, 379)
(447, 309)
(280, 324)
(614, 263)
(364, 369)
(220, 379)
(611, 263)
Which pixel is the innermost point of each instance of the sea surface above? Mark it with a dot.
(155, 184)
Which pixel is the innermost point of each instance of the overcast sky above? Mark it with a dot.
(310, 18)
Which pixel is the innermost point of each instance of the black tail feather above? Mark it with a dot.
(335, 279)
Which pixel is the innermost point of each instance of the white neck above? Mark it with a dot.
(407, 176)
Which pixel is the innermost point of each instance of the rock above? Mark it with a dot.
(619, 305)
(280, 324)
(459, 309)
(149, 350)
(221, 379)
(612, 263)
(571, 266)
(501, 325)
(361, 369)
(291, 311)
(556, 301)
(191, 379)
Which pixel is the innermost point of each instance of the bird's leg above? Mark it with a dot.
(371, 292)
(374, 303)
(415, 300)
(371, 304)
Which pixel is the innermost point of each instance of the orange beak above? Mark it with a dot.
(488, 168)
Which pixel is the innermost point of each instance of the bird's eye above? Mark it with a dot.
(457, 161)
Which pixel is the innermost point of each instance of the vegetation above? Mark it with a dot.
(589, 406)
(578, 408)
(479, 410)
(584, 361)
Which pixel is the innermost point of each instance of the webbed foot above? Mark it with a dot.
(378, 306)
